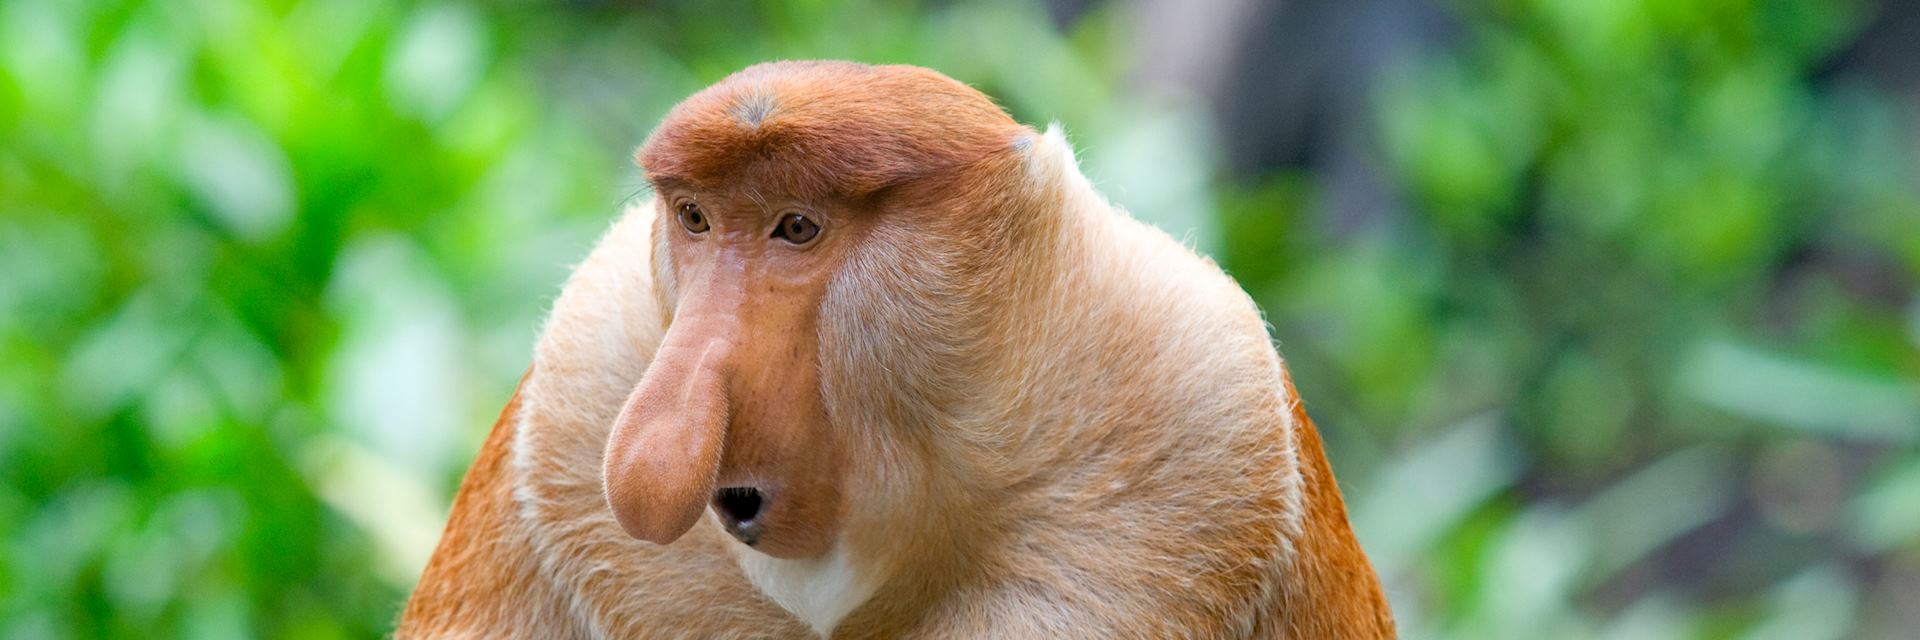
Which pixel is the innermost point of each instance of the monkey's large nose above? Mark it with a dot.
(665, 446)
(739, 509)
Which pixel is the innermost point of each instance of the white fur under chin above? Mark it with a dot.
(819, 591)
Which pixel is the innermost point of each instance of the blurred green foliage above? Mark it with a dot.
(1639, 358)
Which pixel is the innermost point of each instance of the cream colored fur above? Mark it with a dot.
(1138, 406)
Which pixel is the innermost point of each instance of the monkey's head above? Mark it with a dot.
(787, 195)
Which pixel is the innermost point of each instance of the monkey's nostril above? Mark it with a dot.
(739, 505)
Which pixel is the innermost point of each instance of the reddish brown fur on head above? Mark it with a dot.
(816, 130)
(733, 400)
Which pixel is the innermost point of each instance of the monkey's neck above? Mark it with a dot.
(1129, 482)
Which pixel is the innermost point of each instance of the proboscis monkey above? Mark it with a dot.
(878, 362)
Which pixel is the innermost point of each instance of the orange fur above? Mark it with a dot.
(986, 403)
(482, 559)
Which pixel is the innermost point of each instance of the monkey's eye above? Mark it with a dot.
(693, 218)
(797, 229)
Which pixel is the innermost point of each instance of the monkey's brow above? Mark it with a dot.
(661, 182)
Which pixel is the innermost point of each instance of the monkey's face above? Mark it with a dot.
(802, 204)
(729, 415)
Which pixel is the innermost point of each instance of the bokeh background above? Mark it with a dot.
(1609, 309)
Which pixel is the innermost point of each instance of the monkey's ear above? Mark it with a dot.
(1051, 163)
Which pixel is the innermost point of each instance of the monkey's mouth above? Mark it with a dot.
(740, 510)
